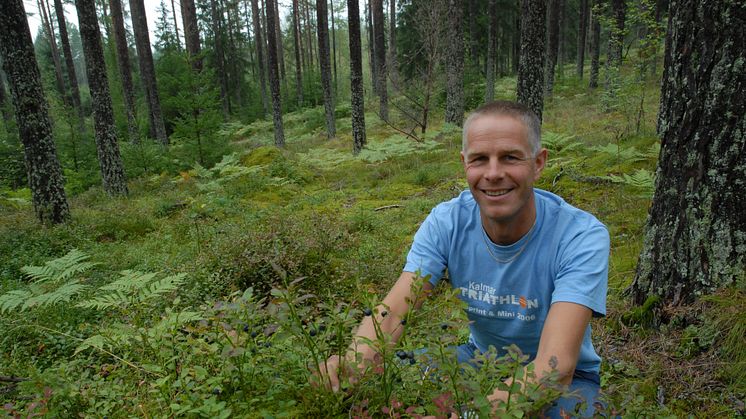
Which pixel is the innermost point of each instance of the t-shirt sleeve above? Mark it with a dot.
(584, 269)
(429, 252)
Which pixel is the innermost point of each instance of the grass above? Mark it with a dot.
(345, 224)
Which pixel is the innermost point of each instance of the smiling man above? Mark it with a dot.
(531, 268)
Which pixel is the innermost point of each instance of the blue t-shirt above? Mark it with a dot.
(563, 258)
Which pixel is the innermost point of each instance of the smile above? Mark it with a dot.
(499, 192)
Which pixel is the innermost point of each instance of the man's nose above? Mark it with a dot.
(494, 171)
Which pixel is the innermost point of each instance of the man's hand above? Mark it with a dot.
(333, 371)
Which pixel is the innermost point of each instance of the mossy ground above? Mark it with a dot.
(346, 223)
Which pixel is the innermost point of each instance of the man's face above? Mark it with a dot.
(501, 169)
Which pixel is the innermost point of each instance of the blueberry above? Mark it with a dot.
(401, 354)
(322, 327)
(254, 334)
(216, 390)
(367, 312)
(312, 332)
(444, 326)
(246, 328)
(267, 344)
(384, 313)
(410, 355)
(403, 322)
(412, 361)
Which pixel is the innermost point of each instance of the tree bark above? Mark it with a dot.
(392, 59)
(595, 48)
(372, 50)
(616, 35)
(530, 90)
(280, 48)
(191, 32)
(582, 33)
(49, 30)
(552, 46)
(326, 71)
(176, 25)
(256, 17)
(7, 118)
(334, 47)
(69, 64)
(147, 71)
(473, 33)
(356, 77)
(695, 238)
(217, 33)
(32, 115)
(517, 38)
(489, 94)
(380, 53)
(125, 72)
(454, 113)
(274, 81)
(109, 159)
(299, 58)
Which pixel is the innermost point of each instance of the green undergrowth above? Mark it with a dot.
(233, 334)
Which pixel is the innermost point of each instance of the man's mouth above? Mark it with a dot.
(497, 192)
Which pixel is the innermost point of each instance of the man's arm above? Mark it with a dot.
(396, 305)
(559, 345)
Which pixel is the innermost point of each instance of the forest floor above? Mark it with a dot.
(102, 340)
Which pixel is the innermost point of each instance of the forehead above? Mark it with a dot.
(491, 130)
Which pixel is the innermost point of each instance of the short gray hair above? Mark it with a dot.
(508, 108)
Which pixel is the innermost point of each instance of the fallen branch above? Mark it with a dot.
(385, 207)
(6, 379)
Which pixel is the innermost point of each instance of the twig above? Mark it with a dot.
(7, 379)
(385, 207)
(408, 134)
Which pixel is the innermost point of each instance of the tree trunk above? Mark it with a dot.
(595, 49)
(582, 33)
(217, 33)
(334, 47)
(280, 48)
(372, 50)
(695, 238)
(69, 64)
(147, 70)
(356, 77)
(326, 71)
(380, 52)
(7, 118)
(299, 58)
(616, 35)
(530, 89)
(47, 25)
(455, 64)
(309, 31)
(473, 33)
(489, 94)
(123, 59)
(256, 17)
(552, 46)
(392, 59)
(191, 32)
(517, 38)
(561, 47)
(110, 162)
(32, 115)
(274, 80)
(176, 25)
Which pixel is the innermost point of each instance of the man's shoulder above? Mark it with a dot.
(463, 204)
(564, 214)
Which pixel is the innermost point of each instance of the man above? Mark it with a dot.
(531, 268)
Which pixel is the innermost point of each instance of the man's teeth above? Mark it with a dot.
(497, 193)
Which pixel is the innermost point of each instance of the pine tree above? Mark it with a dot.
(109, 159)
(125, 72)
(191, 33)
(552, 46)
(256, 18)
(147, 70)
(326, 76)
(356, 77)
(489, 94)
(274, 77)
(455, 64)
(530, 90)
(299, 58)
(595, 46)
(32, 114)
(217, 33)
(51, 37)
(695, 238)
(582, 33)
(380, 57)
(69, 64)
(392, 59)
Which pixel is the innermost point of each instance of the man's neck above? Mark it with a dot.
(508, 232)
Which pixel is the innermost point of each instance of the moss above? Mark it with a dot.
(261, 156)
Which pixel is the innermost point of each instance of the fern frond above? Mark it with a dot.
(163, 286)
(95, 342)
(628, 154)
(642, 179)
(61, 268)
(559, 143)
(130, 280)
(107, 301)
(173, 321)
(61, 294)
(13, 299)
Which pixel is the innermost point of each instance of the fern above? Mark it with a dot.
(13, 299)
(61, 268)
(133, 288)
(62, 294)
(627, 154)
(559, 143)
(642, 179)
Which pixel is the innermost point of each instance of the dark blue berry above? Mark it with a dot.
(254, 334)
(216, 391)
(403, 322)
(401, 354)
(246, 328)
(267, 344)
(322, 327)
(384, 313)
(312, 332)
(444, 326)
(410, 355)
(412, 361)
(367, 312)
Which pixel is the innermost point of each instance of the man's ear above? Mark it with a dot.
(539, 162)
(463, 157)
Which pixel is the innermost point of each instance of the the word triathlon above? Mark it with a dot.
(483, 301)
